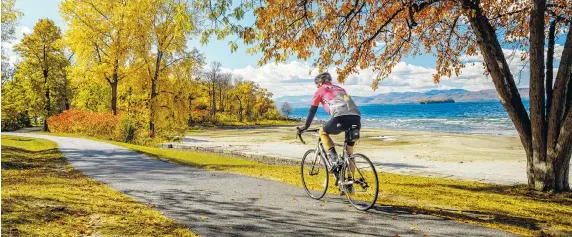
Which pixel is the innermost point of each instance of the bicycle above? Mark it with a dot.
(356, 176)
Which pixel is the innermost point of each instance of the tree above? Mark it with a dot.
(213, 76)
(377, 34)
(286, 109)
(44, 68)
(10, 17)
(223, 83)
(170, 23)
(103, 34)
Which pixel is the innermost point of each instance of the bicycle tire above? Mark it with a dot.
(366, 199)
(311, 188)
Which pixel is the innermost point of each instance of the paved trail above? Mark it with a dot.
(220, 204)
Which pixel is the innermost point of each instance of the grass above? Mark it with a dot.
(262, 123)
(511, 208)
(43, 196)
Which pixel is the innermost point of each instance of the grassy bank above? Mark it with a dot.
(248, 124)
(510, 208)
(43, 196)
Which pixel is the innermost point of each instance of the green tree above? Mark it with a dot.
(43, 69)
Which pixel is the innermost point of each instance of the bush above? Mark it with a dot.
(100, 125)
(11, 123)
(126, 132)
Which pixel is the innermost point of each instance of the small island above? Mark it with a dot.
(437, 101)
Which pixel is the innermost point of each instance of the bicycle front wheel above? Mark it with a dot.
(360, 185)
(314, 174)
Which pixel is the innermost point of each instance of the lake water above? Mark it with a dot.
(463, 117)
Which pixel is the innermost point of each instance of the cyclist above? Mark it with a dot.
(340, 106)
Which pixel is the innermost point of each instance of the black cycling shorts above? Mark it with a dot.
(336, 125)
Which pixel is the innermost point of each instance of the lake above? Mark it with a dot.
(461, 117)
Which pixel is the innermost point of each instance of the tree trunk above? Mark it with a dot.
(220, 97)
(152, 105)
(560, 155)
(48, 101)
(213, 104)
(113, 85)
(542, 166)
(239, 108)
(503, 80)
(191, 122)
(114, 81)
(559, 138)
(550, 65)
(568, 103)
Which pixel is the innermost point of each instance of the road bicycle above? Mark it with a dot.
(355, 175)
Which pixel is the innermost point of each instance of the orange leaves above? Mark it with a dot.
(346, 7)
(248, 35)
(101, 125)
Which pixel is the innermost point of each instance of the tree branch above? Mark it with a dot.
(499, 70)
(550, 65)
(559, 94)
(537, 90)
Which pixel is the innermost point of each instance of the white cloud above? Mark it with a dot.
(295, 78)
(25, 30)
(9, 46)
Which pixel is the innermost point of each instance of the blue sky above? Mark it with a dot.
(412, 74)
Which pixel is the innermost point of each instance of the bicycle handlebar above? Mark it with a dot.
(299, 134)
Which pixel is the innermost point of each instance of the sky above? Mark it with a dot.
(292, 78)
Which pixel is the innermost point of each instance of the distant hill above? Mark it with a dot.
(458, 95)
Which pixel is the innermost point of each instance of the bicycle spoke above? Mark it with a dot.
(314, 175)
(363, 191)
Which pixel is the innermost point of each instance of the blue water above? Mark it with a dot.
(461, 117)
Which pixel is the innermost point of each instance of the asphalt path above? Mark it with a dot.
(214, 203)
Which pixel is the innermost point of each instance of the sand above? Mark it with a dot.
(483, 158)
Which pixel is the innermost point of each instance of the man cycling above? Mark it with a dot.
(340, 106)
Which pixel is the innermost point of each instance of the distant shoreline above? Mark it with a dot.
(433, 101)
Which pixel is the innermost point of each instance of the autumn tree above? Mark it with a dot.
(263, 104)
(196, 91)
(212, 76)
(223, 83)
(169, 24)
(102, 34)
(360, 34)
(43, 69)
(286, 109)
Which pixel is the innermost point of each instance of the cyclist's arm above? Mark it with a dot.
(311, 114)
(313, 109)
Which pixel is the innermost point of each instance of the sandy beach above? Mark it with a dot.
(483, 158)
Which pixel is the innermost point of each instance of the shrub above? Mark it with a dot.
(100, 125)
(11, 123)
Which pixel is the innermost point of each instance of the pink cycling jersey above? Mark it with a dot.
(335, 100)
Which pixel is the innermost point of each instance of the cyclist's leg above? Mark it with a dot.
(347, 123)
(330, 127)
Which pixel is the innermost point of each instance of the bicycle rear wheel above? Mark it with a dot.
(361, 185)
(314, 174)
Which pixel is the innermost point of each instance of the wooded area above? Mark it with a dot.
(128, 58)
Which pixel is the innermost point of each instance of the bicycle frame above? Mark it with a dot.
(347, 174)
(320, 150)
